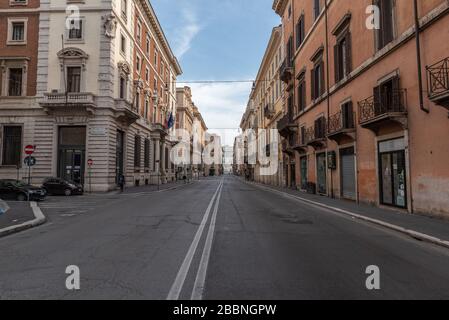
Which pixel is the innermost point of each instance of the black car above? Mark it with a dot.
(58, 186)
(21, 191)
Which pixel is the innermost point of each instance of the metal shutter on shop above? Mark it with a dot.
(348, 176)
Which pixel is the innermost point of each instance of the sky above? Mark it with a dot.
(218, 40)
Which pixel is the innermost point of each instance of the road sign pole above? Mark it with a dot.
(29, 170)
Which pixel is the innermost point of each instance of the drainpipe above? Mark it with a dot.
(418, 57)
(328, 86)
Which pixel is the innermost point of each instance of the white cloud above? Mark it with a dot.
(222, 106)
(187, 33)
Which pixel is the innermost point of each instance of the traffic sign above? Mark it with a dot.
(29, 149)
(90, 162)
(30, 161)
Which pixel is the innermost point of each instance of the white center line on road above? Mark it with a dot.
(178, 284)
(198, 287)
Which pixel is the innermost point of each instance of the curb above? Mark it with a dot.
(39, 219)
(411, 233)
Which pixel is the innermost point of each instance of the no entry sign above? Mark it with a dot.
(29, 149)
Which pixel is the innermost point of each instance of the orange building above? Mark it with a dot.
(366, 101)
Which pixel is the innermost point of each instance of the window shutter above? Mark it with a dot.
(312, 83)
(377, 100)
(397, 105)
(322, 90)
(337, 63)
(348, 53)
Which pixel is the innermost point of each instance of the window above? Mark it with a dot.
(145, 112)
(300, 32)
(343, 56)
(317, 78)
(148, 45)
(123, 44)
(137, 151)
(155, 59)
(320, 127)
(73, 79)
(15, 82)
(17, 31)
(302, 94)
(316, 8)
(137, 102)
(153, 119)
(347, 115)
(290, 52)
(12, 145)
(385, 34)
(289, 11)
(146, 153)
(147, 74)
(139, 32)
(20, 2)
(76, 29)
(137, 63)
(122, 88)
(124, 9)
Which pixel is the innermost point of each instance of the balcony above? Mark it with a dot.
(316, 135)
(126, 112)
(286, 126)
(438, 83)
(300, 143)
(159, 127)
(389, 108)
(286, 71)
(286, 148)
(59, 101)
(341, 127)
(269, 111)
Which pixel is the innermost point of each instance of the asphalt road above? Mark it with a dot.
(214, 239)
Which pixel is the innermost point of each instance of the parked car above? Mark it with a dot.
(58, 186)
(18, 190)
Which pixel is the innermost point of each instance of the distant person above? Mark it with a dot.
(121, 182)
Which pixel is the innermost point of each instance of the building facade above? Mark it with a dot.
(367, 100)
(191, 123)
(19, 22)
(266, 99)
(90, 102)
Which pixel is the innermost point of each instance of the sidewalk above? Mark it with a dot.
(20, 216)
(414, 225)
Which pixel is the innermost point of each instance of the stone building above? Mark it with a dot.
(90, 101)
(366, 101)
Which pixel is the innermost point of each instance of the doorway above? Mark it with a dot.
(321, 173)
(120, 146)
(303, 163)
(392, 173)
(72, 153)
(347, 168)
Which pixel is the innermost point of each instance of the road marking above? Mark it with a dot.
(176, 288)
(198, 287)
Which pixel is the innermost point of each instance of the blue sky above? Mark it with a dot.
(218, 40)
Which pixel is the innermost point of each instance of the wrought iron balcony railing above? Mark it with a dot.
(341, 121)
(286, 70)
(392, 102)
(269, 111)
(438, 78)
